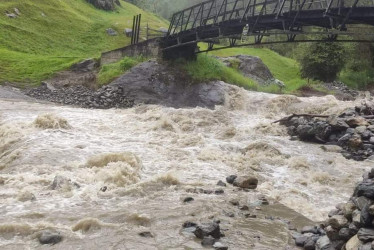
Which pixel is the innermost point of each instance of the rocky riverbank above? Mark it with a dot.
(350, 226)
(147, 83)
(104, 98)
(353, 130)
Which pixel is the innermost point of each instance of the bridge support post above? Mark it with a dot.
(187, 51)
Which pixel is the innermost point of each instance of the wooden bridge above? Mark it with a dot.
(288, 20)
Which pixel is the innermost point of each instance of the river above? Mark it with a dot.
(148, 158)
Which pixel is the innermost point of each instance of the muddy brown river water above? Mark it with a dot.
(148, 158)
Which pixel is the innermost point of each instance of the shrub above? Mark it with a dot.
(321, 61)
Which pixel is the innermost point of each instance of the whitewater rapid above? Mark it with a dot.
(148, 157)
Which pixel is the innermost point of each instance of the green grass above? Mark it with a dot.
(110, 72)
(285, 69)
(357, 79)
(207, 68)
(33, 47)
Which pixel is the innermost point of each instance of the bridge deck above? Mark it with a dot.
(214, 19)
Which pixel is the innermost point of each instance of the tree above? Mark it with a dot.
(321, 61)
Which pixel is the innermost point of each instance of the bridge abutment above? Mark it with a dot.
(187, 51)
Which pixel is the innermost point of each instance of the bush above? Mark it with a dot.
(321, 61)
(357, 79)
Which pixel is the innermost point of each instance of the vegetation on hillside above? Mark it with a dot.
(321, 61)
(49, 36)
(285, 69)
(109, 72)
(207, 68)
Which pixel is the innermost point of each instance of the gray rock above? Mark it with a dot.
(367, 246)
(305, 132)
(371, 174)
(356, 218)
(348, 209)
(127, 32)
(366, 218)
(60, 182)
(361, 202)
(85, 65)
(332, 233)
(365, 234)
(208, 241)
(246, 182)
(360, 129)
(337, 123)
(365, 188)
(353, 243)
(189, 224)
(188, 199)
(221, 183)
(104, 4)
(219, 191)
(357, 121)
(49, 237)
(334, 212)
(346, 233)
(338, 222)
(310, 244)
(234, 202)
(146, 234)
(11, 15)
(111, 32)
(323, 243)
(252, 67)
(230, 179)
(300, 241)
(309, 229)
(220, 246)
(208, 229)
(154, 83)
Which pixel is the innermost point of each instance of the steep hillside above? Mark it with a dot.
(48, 36)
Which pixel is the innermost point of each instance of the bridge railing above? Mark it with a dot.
(214, 12)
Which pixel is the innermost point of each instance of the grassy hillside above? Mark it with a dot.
(50, 35)
(283, 68)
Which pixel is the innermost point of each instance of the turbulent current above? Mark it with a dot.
(100, 177)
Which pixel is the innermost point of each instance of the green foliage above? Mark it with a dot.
(321, 61)
(207, 68)
(285, 69)
(33, 46)
(110, 72)
(357, 79)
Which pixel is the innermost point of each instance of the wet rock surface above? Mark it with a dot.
(49, 237)
(351, 224)
(104, 98)
(342, 91)
(352, 130)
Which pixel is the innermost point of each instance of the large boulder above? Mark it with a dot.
(156, 83)
(249, 182)
(250, 66)
(105, 4)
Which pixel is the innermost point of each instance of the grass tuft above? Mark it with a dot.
(110, 72)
